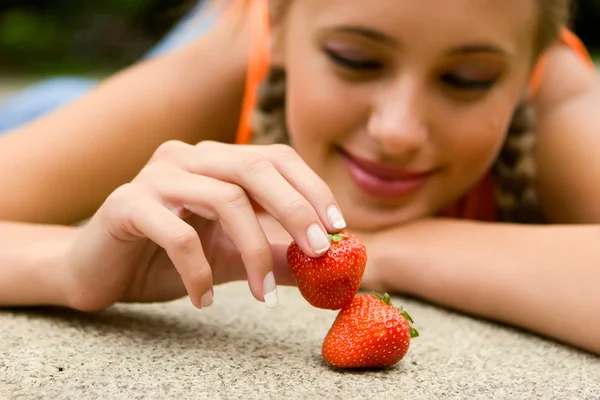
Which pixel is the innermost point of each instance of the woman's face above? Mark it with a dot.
(401, 106)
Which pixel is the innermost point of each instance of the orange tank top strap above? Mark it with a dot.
(259, 60)
(569, 39)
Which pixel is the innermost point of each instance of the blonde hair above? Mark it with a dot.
(514, 170)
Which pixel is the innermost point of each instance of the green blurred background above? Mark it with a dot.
(44, 37)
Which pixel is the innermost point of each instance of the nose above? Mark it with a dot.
(398, 119)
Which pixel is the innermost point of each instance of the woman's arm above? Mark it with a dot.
(541, 278)
(31, 270)
(60, 168)
(567, 151)
(36, 264)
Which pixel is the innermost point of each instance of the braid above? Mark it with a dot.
(268, 120)
(515, 173)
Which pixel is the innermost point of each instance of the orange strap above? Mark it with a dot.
(571, 40)
(259, 60)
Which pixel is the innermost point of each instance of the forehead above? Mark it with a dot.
(508, 23)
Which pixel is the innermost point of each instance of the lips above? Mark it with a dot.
(385, 172)
(384, 181)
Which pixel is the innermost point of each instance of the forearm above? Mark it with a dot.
(30, 257)
(542, 278)
(61, 167)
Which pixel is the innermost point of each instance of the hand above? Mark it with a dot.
(186, 222)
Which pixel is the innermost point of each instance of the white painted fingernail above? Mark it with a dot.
(335, 217)
(318, 240)
(270, 290)
(207, 299)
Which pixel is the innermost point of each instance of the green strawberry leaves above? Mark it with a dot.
(386, 299)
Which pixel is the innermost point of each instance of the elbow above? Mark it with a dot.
(584, 332)
(590, 333)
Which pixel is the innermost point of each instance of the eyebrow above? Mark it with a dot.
(368, 33)
(462, 50)
(480, 48)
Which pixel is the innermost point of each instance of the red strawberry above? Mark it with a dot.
(333, 279)
(368, 333)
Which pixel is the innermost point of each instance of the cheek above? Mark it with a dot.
(305, 109)
(314, 112)
(320, 109)
(476, 138)
(475, 134)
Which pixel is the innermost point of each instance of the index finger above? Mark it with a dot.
(306, 181)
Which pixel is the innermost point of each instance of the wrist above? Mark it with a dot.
(32, 264)
(48, 262)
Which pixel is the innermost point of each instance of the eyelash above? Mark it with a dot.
(459, 83)
(352, 64)
(451, 80)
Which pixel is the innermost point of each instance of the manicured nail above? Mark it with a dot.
(207, 299)
(318, 240)
(270, 290)
(335, 217)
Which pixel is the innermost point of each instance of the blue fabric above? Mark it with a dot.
(41, 98)
(46, 96)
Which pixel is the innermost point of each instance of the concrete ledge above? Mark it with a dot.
(239, 349)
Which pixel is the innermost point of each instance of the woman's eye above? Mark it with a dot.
(355, 64)
(462, 83)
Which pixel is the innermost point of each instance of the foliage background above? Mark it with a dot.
(55, 36)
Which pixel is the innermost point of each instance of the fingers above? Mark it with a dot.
(306, 181)
(147, 217)
(277, 179)
(216, 181)
(257, 174)
(214, 199)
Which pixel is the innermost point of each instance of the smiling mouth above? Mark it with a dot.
(384, 181)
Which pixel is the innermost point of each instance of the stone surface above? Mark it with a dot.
(239, 349)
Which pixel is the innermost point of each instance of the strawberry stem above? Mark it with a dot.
(336, 237)
(386, 299)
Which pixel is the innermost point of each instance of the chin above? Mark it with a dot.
(369, 218)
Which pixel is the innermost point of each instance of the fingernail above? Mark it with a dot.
(318, 240)
(207, 299)
(335, 217)
(270, 290)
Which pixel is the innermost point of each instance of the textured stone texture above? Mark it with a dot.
(239, 349)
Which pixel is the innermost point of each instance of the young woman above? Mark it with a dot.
(404, 122)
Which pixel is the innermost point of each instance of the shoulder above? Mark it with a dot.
(567, 147)
(565, 71)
